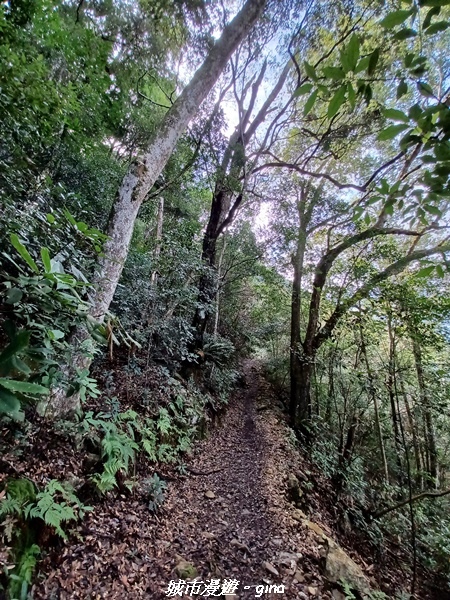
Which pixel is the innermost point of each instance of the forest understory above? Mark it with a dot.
(249, 507)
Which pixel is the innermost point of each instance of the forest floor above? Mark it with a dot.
(230, 518)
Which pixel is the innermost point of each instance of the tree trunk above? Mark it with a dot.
(158, 239)
(393, 400)
(219, 275)
(430, 435)
(412, 425)
(207, 286)
(345, 455)
(300, 365)
(226, 202)
(373, 397)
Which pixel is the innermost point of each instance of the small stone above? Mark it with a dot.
(312, 590)
(210, 494)
(286, 559)
(299, 515)
(186, 570)
(339, 566)
(208, 535)
(294, 492)
(270, 568)
(316, 528)
(277, 541)
(299, 576)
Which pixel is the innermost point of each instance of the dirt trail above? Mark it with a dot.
(233, 522)
(240, 531)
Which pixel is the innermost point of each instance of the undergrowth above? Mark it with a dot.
(27, 515)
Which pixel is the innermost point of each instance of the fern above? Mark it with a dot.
(346, 587)
(53, 512)
(164, 423)
(149, 446)
(55, 505)
(166, 453)
(118, 451)
(19, 492)
(20, 579)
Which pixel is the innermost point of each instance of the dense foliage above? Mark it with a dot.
(302, 217)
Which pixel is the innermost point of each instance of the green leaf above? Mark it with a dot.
(45, 255)
(18, 364)
(395, 115)
(425, 271)
(18, 343)
(23, 387)
(390, 132)
(434, 3)
(13, 296)
(408, 59)
(334, 73)
(425, 89)
(50, 218)
(442, 151)
(8, 402)
(303, 89)
(433, 210)
(405, 34)
(362, 65)
(55, 334)
(69, 217)
(409, 140)
(430, 14)
(352, 51)
(336, 101)
(23, 252)
(368, 93)
(310, 103)
(351, 94)
(350, 54)
(402, 89)
(373, 61)
(389, 208)
(395, 18)
(440, 271)
(436, 27)
(310, 71)
(415, 112)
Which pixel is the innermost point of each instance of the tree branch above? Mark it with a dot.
(385, 511)
(393, 269)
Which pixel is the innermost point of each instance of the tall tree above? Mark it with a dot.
(142, 175)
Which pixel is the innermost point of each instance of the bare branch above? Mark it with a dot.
(385, 511)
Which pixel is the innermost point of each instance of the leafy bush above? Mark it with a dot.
(44, 303)
(154, 488)
(13, 392)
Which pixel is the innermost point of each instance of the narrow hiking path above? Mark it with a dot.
(229, 519)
